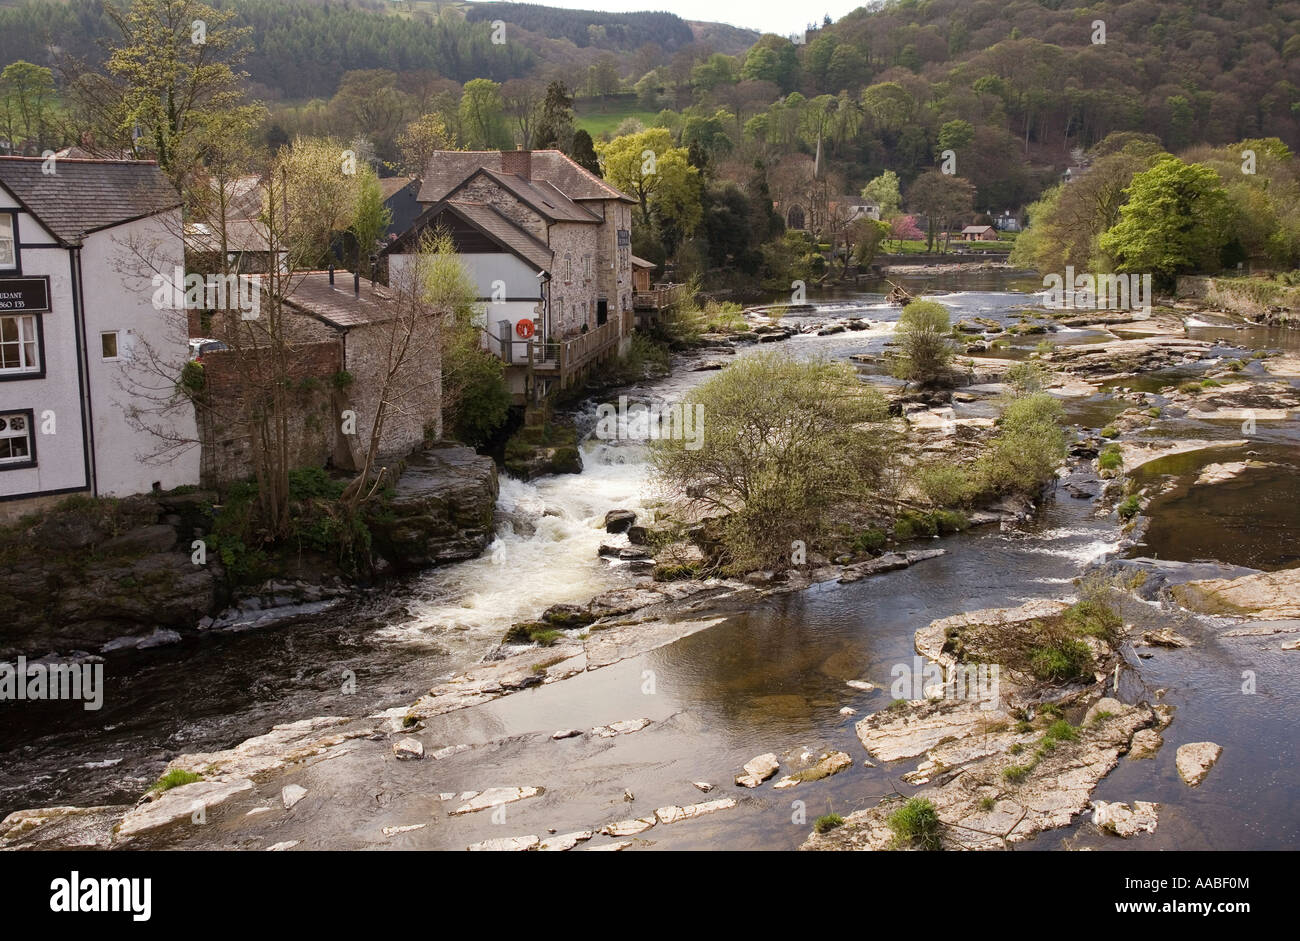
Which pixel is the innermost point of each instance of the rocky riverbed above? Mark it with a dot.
(720, 712)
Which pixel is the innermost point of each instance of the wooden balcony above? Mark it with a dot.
(562, 361)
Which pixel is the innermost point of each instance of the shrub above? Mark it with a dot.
(1110, 431)
(175, 778)
(924, 350)
(481, 402)
(1094, 619)
(945, 484)
(1130, 507)
(1110, 458)
(916, 823)
(1023, 456)
(869, 540)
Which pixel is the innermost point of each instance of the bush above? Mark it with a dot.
(869, 540)
(924, 350)
(781, 445)
(916, 823)
(1024, 455)
(1110, 458)
(1130, 507)
(481, 402)
(1110, 431)
(945, 485)
(176, 777)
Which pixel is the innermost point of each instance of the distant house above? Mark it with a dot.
(1007, 221)
(80, 335)
(400, 198)
(641, 270)
(979, 233)
(549, 245)
(855, 208)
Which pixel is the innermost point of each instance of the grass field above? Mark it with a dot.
(603, 117)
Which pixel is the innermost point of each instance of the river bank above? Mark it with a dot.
(734, 673)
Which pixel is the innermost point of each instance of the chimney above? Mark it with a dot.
(519, 162)
(356, 281)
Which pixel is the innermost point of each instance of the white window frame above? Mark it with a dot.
(7, 434)
(24, 340)
(117, 346)
(9, 234)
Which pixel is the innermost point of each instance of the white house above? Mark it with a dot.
(82, 346)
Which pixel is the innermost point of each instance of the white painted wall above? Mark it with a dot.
(60, 456)
(118, 265)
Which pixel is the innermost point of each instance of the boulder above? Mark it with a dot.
(758, 770)
(408, 749)
(1123, 820)
(619, 521)
(1195, 759)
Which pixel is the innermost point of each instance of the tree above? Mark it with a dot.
(26, 105)
(883, 191)
(175, 90)
(941, 199)
(658, 175)
(422, 138)
(862, 239)
(924, 350)
(1174, 221)
(785, 444)
(482, 116)
(368, 102)
(370, 220)
(523, 102)
(555, 128)
(584, 151)
(903, 228)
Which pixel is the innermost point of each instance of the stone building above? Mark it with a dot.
(549, 245)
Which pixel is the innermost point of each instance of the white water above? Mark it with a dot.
(544, 553)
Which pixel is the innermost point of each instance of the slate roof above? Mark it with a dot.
(447, 169)
(336, 305)
(487, 219)
(549, 202)
(84, 196)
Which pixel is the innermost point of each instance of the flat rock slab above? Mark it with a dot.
(506, 844)
(475, 801)
(758, 770)
(626, 727)
(675, 814)
(1136, 453)
(179, 804)
(1267, 596)
(892, 734)
(283, 745)
(827, 765)
(290, 794)
(1123, 820)
(62, 827)
(1195, 759)
(566, 841)
(629, 827)
(980, 808)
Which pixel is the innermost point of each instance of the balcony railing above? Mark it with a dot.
(562, 357)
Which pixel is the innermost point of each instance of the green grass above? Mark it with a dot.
(175, 778)
(598, 117)
(828, 822)
(916, 823)
(1129, 508)
(1110, 458)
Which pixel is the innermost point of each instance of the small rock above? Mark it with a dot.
(506, 844)
(1165, 637)
(1195, 760)
(758, 770)
(628, 796)
(566, 841)
(629, 827)
(1145, 743)
(704, 786)
(860, 685)
(1124, 821)
(847, 711)
(281, 847)
(408, 749)
(619, 521)
(1105, 704)
(290, 794)
(565, 733)
(393, 831)
(669, 815)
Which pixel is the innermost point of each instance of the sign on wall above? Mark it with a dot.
(24, 295)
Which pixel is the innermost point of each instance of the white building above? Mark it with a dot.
(81, 344)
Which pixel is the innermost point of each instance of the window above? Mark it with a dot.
(8, 242)
(18, 344)
(108, 344)
(16, 444)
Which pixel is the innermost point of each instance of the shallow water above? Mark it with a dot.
(769, 678)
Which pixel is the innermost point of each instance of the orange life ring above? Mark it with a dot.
(525, 329)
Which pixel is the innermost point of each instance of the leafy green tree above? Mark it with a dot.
(370, 220)
(422, 138)
(1175, 221)
(955, 135)
(648, 167)
(482, 116)
(784, 441)
(27, 102)
(555, 129)
(772, 59)
(942, 199)
(884, 192)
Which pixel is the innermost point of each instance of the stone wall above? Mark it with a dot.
(313, 414)
(574, 287)
(483, 190)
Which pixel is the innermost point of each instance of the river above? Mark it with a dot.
(769, 678)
